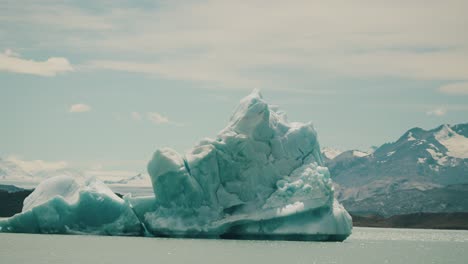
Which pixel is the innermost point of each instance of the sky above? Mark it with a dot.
(101, 85)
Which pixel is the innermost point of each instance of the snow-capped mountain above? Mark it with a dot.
(138, 180)
(330, 153)
(29, 173)
(400, 177)
(13, 169)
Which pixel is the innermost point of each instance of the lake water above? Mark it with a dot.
(366, 245)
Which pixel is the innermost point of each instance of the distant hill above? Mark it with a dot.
(11, 199)
(416, 220)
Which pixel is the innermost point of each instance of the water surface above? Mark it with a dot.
(366, 245)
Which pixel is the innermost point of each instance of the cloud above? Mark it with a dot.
(34, 166)
(154, 117)
(177, 70)
(103, 174)
(12, 62)
(79, 108)
(439, 111)
(201, 42)
(11, 53)
(205, 41)
(136, 116)
(455, 88)
(157, 118)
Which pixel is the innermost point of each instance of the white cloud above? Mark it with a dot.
(12, 62)
(34, 166)
(11, 53)
(79, 108)
(154, 117)
(439, 111)
(177, 70)
(205, 40)
(157, 118)
(362, 38)
(455, 88)
(105, 174)
(136, 116)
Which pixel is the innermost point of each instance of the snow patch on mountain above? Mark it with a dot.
(457, 145)
(440, 158)
(422, 160)
(330, 153)
(410, 137)
(358, 153)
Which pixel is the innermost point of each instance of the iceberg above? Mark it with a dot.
(66, 205)
(261, 177)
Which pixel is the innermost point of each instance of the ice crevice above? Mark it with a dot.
(260, 178)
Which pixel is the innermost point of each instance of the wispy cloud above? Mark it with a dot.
(157, 118)
(79, 108)
(136, 116)
(11, 61)
(205, 41)
(103, 174)
(200, 42)
(439, 111)
(178, 69)
(33, 166)
(455, 88)
(153, 117)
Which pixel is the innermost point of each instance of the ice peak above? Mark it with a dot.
(256, 93)
(252, 117)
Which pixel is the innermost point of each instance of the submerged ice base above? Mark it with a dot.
(260, 178)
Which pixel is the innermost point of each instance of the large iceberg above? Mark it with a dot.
(262, 177)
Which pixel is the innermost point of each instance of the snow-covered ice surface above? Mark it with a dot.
(262, 177)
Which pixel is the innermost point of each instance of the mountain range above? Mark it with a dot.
(422, 171)
(28, 174)
(15, 170)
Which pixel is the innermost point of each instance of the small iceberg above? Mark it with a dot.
(262, 177)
